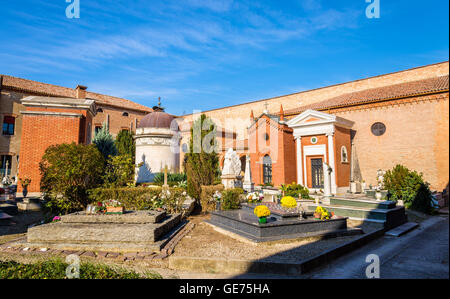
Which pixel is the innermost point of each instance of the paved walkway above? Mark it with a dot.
(422, 253)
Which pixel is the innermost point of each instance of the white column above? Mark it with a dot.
(331, 162)
(299, 161)
(326, 181)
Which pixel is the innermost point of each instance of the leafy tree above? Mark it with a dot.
(125, 144)
(105, 142)
(409, 186)
(202, 161)
(68, 171)
(119, 171)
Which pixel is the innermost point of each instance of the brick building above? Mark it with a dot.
(120, 114)
(356, 128)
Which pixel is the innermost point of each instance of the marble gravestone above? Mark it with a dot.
(248, 185)
(231, 171)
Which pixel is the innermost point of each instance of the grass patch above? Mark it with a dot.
(56, 269)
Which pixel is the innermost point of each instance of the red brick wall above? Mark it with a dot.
(282, 152)
(342, 138)
(41, 131)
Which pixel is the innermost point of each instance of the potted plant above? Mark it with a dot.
(322, 213)
(114, 207)
(262, 212)
(254, 197)
(25, 183)
(288, 202)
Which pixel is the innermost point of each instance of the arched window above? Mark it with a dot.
(344, 155)
(243, 160)
(125, 114)
(267, 170)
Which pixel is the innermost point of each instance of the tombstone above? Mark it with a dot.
(231, 171)
(249, 186)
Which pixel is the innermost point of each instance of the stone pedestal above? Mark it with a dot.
(231, 181)
(29, 204)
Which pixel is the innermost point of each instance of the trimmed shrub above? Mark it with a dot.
(207, 200)
(295, 190)
(143, 198)
(409, 186)
(68, 171)
(172, 178)
(56, 269)
(137, 198)
(231, 199)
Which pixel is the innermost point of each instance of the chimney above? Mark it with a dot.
(81, 91)
(281, 113)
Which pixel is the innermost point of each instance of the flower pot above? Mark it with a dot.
(378, 196)
(114, 210)
(262, 220)
(317, 215)
(25, 192)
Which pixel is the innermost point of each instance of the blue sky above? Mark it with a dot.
(206, 54)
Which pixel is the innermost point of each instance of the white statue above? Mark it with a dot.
(380, 179)
(231, 164)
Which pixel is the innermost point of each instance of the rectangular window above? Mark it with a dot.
(5, 159)
(8, 125)
(97, 129)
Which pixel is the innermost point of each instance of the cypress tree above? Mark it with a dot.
(202, 161)
(125, 144)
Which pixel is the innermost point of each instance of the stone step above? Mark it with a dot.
(402, 229)
(362, 203)
(390, 217)
(8, 208)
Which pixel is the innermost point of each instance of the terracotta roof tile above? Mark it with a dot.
(395, 91)
(60, 91)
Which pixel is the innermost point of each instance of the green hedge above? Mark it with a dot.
(132, 198)
(143, 198)
(231, 199)
(56, 269)
(206, 197)
(171, 178)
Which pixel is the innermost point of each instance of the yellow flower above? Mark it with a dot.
(261, 211)
(288, 202)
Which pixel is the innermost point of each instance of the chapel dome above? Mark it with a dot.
(157, 119)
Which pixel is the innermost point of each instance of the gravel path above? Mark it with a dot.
(205, 241)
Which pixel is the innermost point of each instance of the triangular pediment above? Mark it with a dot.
(313, 117)
(310, 117)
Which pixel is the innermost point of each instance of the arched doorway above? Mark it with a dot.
(267, 170)
(243, 161)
